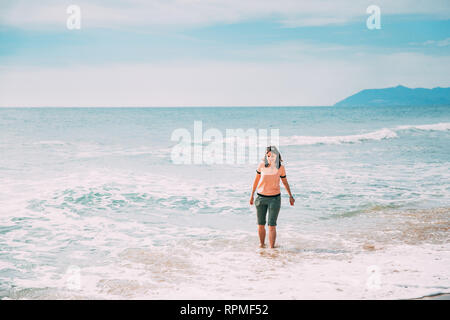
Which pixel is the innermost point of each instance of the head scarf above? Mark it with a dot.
(274, 150)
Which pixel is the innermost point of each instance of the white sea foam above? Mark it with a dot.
(384, 133)
(230, 267)
(442, 126)
(127, 259)
(377, 135)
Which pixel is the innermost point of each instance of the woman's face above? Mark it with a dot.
(271, 156)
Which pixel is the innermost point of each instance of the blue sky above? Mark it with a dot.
(216, 53)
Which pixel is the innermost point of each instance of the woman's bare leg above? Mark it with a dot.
(272, 235)
(262, 234)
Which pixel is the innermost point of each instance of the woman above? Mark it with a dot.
(269, 197)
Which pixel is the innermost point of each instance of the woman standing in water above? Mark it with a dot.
(269, 196)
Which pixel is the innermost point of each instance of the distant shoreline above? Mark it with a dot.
(398, 96)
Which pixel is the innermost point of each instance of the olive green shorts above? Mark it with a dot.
(264, 204)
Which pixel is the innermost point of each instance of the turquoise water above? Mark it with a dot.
(95, 190)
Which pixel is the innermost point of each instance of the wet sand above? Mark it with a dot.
(439, 296)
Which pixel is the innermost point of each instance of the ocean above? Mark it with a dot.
(93, 205)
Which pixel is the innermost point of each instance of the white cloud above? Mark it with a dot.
(110, 14)
(307, 81)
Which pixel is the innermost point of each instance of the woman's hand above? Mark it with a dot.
(291, 200)
(251, 200)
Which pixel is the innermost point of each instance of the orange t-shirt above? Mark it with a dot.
(270, 179)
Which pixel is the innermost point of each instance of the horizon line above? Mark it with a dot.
(192, 106)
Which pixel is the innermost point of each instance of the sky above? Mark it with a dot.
(217, 52)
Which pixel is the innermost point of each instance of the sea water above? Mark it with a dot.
(92, 205)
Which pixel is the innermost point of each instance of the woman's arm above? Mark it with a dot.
(288, 189)
(255, 184)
